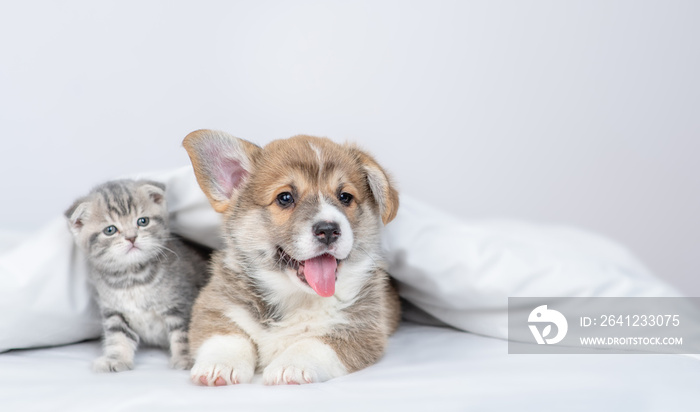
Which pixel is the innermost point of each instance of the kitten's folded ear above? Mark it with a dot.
(154, 190)
(221, 164)
(386, 197)
(77, 214)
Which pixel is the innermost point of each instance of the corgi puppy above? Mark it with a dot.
(300, 291)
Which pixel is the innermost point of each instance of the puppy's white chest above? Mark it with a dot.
(315, 318)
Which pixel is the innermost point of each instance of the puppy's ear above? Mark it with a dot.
(76, 215)
(382, 188)
(154, 190)
(221, 163)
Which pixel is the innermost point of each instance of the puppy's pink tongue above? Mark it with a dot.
(320, 274)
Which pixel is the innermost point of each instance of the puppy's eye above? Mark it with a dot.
(285, 199)
(143, 221)
(345, 198)
(110, 230)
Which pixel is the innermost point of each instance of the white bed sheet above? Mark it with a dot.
(425, 369)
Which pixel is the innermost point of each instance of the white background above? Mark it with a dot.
(579, 113)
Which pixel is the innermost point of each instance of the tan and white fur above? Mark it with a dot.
(300, 291)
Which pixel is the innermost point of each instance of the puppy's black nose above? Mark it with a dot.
(326, 232)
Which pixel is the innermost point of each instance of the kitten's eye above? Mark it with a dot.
(285, 199)
(110, 230)
(143, 221)
(345, 198)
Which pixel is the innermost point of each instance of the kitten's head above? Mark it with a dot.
(121, 223)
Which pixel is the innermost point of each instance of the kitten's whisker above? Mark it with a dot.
(162, 248)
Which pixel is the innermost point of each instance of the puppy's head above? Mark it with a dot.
(300, 213)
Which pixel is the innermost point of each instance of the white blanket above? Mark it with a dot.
(425, 369)
(461, 273)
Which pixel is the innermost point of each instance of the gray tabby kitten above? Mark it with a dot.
(145, 279)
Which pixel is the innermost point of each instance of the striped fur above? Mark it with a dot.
(145, 279)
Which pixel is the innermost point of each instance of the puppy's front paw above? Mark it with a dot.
(221, 374)
(280, 373)
(224, 360)
(106, 364)
(183, 362)
(306, 361)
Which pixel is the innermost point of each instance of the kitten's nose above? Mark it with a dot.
(131, 239)
(326, 232)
